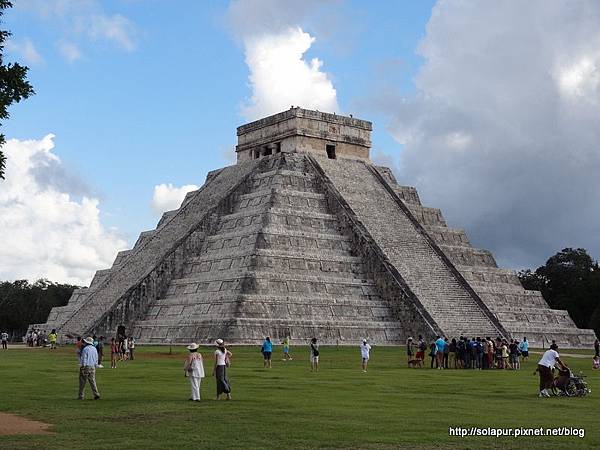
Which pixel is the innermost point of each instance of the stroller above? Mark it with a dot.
(570, 385)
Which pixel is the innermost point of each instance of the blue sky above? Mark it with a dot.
(491, 113)
(166, 110)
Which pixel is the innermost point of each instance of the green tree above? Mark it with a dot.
(14, 86)
(569, 280)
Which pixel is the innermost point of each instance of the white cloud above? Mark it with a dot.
(503, 132)
(81, 20)
(275, 44)
(280, 77)
(47, 232)
(167, 197)
(116, 28)
(69, 50)
(25, 50)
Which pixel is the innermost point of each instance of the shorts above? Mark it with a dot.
(365, 359)
(286, 349)
(314, 359)
(420, 355)
(525, 354)
(267, 355)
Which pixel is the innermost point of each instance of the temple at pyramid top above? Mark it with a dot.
(305, 131)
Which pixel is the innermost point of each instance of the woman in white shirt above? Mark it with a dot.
(222, 358)
(194, 370)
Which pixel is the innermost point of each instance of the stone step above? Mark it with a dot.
(536, 316)
(468, 256)
(448, 236)
(296, 200)
(427, 216)
(485, 274)
(408, 194)
(499, 299)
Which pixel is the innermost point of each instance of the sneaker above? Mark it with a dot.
(96, 397)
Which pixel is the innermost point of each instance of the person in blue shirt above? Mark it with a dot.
(524, 349)
(440, 345)
(88, 360)
(267, 350)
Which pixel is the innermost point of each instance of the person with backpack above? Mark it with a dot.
(314, 355)
(432, 354)
(524, 348)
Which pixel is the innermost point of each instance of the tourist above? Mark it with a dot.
(131, 346)
(88, 361)
(4, 339)
(286, 349)
(267, 350)
(467, 362)
(549, 360)
(440, 345)
(524, 348)
(34, 338)
(460, 353)
(78, 346)
(446, 352)
(478, 353)
(432, 354)
(410, 350)
(314, 355)
(365, 350)
(485, 347)
(52, 337)
(490, 353)
(100, 349)
(222, 361)
(421, 347)
(513, 354)
(504, 350)
(498, 353)
(194, 370)
(452, 354)
(124, 349)
(596, 363)
(114, 353)
(597, 347)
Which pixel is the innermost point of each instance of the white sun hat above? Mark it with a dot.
(89, 340)
(193, 346)
(219, 342)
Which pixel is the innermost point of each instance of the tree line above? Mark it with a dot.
(569, 280)
(22, 303)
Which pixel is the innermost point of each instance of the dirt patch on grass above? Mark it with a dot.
(11, 424)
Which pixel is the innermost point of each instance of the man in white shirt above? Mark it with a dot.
(549, 360)
(364, 353)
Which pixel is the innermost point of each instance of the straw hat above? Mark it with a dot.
(219, 342)
(193, 346)
(89, 340)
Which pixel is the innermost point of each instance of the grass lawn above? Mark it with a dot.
(144, 403)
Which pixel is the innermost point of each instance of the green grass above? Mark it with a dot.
(144, 403)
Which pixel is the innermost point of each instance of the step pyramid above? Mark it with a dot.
(305, 237)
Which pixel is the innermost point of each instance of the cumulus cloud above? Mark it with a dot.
(503, 132)
(25, 50)
(167, 197)
(48, 233)
(80, 20)
(274, 46)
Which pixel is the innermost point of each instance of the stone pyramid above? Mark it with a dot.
(305, 237)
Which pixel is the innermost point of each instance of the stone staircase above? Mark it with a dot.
(521, 312)
(453, 307)
(276, 264)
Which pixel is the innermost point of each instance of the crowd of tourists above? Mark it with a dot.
(467, 353)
